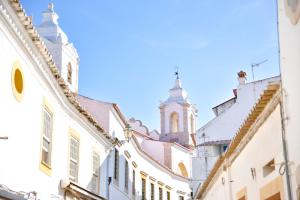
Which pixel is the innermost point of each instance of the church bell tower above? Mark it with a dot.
(178, 117)
(63, 52)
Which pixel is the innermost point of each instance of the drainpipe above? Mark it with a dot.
(285, 151)
(282, 114)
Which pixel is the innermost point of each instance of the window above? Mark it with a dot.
(143, 189)
(96, 172)
(168, 195)
(182, 169)
(269, 168)
(174, 122)
(74, 159)
(70, 73)
(116, 167)
(181, 198)
(126, 175)
(17, 81)
(152, 191)
(133, 183)
(160, 191)
(46, 137)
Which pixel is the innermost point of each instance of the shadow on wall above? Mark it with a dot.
(118, 189)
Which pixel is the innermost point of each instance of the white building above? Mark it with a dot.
(62, 145)
(262, 161)
(54, 148)
(213, 138)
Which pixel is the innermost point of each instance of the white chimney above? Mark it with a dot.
(242, 77)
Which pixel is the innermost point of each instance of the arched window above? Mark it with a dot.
(174, 122)
(70, 73)
(183, 170)
(192, 121)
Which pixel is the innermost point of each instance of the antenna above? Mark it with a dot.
(256, 65)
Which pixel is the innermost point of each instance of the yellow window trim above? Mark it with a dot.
(44, 167)
(242, 193)
(20, 82)
(76, 135)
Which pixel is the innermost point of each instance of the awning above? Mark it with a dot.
(82, 193)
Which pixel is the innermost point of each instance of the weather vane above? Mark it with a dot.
(177, 72)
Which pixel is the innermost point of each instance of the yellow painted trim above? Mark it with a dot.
(152, 178)
(17, 70)
(76, 135)
(44, 167)
(242, 193)
(143, 174)
(273, 187)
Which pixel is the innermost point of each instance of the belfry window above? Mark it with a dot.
(70, 73)
(174, 122)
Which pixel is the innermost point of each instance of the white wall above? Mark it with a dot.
(238, 175)
(289, 42)
(22, 121)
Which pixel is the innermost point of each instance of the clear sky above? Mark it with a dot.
(128, 49)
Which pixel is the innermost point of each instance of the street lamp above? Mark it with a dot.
(128, 132)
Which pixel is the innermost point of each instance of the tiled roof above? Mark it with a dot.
(41, 47)
(259, 107)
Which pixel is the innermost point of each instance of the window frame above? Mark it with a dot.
(96, 172)
(116, 165)
(126, 176)
(73, 160)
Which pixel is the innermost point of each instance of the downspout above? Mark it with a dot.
(282, 115)
(285, 151)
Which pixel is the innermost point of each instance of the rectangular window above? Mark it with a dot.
(143, 189)
(133, 183)
(74, 159)
(96, 173)
(126, 175)
(181, 198)
(47, 137)
(152, 191)
(116, 167)
(168, 195)
(160, 190)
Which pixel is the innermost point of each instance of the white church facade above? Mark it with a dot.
(57, 144)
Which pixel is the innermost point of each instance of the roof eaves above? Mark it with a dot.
(40, 45)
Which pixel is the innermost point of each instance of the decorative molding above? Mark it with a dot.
(144, 174)
(152, 178)
(134, 164)
(160, 183)
(127, 154)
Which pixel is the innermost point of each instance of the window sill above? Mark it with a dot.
(44, 167)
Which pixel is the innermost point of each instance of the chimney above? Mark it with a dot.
(242, 77)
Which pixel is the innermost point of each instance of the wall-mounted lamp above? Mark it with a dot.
(127, 134)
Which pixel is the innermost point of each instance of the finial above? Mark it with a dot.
(50, 6)
(177, 72)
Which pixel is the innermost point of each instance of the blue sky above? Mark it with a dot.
(128, 49)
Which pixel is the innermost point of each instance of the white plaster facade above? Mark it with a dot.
(21, 168)
(289, 43)
(213, 138)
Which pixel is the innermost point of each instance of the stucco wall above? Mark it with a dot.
(22, 123)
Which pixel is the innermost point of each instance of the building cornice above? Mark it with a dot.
(257, 116)
(36, 41)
